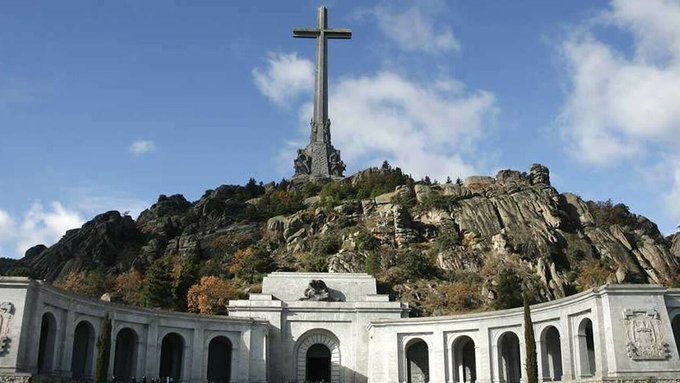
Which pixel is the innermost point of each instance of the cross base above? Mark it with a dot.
(319, 159)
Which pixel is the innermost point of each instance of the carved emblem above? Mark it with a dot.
(317, 291)
(645, 338)
(6, 314)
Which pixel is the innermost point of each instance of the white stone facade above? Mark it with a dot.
(350, 335)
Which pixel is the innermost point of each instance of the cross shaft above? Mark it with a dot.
(322, 33)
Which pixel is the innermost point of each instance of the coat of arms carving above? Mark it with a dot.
(644, 336)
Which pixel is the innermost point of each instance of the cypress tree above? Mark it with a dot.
(530, 344)
(103, 352)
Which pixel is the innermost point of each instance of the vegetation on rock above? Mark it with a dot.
(103, 352)
(443, 248)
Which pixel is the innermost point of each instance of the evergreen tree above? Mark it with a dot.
(509, 290)
(448, 180)
(530, 344)
(158, 285)
(185, 275)
(103, 352)
(372, 265)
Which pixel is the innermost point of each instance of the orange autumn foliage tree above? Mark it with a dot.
(210, 296)
(128, 288)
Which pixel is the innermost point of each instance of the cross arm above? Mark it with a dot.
(338, 33)
(306, 33)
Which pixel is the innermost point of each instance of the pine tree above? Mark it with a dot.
(103, 352)
(158, 285)
(530, 344)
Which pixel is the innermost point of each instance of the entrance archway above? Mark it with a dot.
(586, 348)
(125, 356)
(219, 360)
(172, 355)
(465, 364)
(675, 325)
(48, 332)
(82, 357)
(551, 354)
(417, 362)
(318, 367)
(315, 341)
(509, 361)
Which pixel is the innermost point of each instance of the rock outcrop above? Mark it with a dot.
(468, 229)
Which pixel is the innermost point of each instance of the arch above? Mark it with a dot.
(464, 360)
(82, 356)
(172, 356)
(48, 333)
(586, 348)
(219, 360)
(417, 361)
(125, 355)
(675, 325)
(510, 367)
(551, 354)
(311, 338)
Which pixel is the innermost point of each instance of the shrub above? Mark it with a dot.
(448, 238)
(461, 297)
(275, 202)
(530, 344)
(251, 264)
(93, 283)
(372, 265)
(509, 290)
(312, 262)
(128, 287)
(606, 213)
(210, 296)
(417, 264)
(593, 273)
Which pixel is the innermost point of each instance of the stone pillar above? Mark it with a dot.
(484, 355)
(438, 357)
(197, 354)
(64, 368)
(153, 353)
(566, 347)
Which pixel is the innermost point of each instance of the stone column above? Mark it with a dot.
(566, 347)
(484, 355)
(438, 357)
(152, 349)
(199, 362)
(64, 368)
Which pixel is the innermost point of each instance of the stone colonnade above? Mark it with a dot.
(62, 331)
(610, 332)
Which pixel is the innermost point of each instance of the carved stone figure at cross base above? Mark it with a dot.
(6, 314)
(320, 158)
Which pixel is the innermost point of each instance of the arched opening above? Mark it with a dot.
(318, 364)
(312, 347)
(83, 351)
(172, 355)
(417, 362)
(48, 332)
(551, 354)
(125, 356)
(465, 364)
(675, 324)
(510, 365)
(219, 360)
(586, 347)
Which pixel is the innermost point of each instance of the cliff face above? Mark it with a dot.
(464, 233)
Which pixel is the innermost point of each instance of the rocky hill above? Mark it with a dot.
(444, 248)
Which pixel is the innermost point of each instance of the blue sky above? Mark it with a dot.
(106, 105)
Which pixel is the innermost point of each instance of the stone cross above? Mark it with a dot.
(320, 158)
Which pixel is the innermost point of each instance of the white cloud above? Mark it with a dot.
(423, 128)
(140, 147)
(621, 107)
(414, 29)
(286, 76)
(672, 197)
(38, 225)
